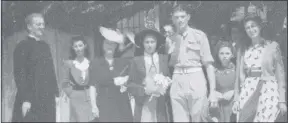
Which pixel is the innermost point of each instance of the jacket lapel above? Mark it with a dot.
(161, 61)
(141, 65)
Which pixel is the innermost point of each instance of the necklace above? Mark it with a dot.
(227, 70)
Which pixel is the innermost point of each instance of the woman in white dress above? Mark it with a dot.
(262, 89)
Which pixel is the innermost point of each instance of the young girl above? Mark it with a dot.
(225, 79)
(76, 81)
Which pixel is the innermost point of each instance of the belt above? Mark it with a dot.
(254, 72)
(80, 87)
(178, 70)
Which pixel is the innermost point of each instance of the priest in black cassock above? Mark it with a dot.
(34, 76)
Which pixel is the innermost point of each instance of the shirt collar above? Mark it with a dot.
(34, 37)
(148, 55)
(83, 65)
(85, 61)
(185, 33)
(148, 58)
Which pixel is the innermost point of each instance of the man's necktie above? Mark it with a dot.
(175, 54)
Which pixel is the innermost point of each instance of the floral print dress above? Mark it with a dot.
(267, 109)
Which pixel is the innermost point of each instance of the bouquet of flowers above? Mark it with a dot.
(162, 83)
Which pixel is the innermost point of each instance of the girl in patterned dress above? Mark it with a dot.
(225, 79)
(262, 93)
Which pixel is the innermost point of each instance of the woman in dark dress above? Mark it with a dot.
(76, 81)
(109, 97)
(146, 65)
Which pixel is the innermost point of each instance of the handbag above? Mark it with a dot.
(249, 110)
(281, 118)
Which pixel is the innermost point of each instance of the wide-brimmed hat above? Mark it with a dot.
(141, 35)
(130, 35)
(111, 35)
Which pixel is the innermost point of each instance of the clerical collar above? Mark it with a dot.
(34, 37)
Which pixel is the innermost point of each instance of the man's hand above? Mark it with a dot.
(171, 45)
(228, 95)
(235, 107)
(213, 100)
(25, 107)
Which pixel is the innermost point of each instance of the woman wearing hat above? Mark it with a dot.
(148, 62)
(108, 75)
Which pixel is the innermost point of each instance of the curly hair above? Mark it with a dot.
(220, 45)
(248, 42)
(72, 51)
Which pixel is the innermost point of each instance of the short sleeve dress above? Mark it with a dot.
(225, 80)
(268, 99)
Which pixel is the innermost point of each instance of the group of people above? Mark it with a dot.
(203, 88)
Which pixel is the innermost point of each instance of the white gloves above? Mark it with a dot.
(118, 81)
(121, 81)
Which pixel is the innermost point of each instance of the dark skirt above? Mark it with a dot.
(114, 108)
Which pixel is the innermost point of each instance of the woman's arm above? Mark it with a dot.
(93, 96)
(134, 86)
(65, 83)
(240, 74)
(279, 73)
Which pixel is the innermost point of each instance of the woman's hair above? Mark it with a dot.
(220, 45)
(247, 40)
(159, 48)
(72, 51)
(234, 25)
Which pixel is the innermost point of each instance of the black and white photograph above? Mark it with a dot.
(143, 61)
